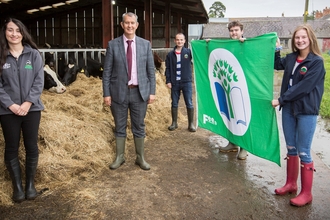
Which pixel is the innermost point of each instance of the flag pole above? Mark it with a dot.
(306, 11)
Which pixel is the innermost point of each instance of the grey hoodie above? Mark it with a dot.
(22, 80)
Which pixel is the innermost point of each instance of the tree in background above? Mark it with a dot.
(311, 16)
(217, 10)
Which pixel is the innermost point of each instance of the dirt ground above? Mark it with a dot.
(189, 179)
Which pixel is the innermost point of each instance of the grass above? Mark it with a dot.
(325, 104)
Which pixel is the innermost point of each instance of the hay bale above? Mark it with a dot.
(76, 139)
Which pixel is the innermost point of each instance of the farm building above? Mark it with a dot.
(283, 26)
(94, 23)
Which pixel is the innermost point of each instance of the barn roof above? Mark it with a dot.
(192, 9)
(284, 26)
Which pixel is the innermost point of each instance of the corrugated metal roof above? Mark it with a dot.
(284, 26)
(194, 10)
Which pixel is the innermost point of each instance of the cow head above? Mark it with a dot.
(49, 81)
(94, 68)
(70, 74)
(59, 88)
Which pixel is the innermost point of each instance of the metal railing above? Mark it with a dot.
(92, 53)
(95, 54)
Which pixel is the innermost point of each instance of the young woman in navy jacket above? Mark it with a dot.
(300, 98)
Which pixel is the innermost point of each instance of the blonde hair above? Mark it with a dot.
(313, 45)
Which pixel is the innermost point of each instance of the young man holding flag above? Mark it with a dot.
(236, 32)
(234, 85)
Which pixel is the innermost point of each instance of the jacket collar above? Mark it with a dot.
(26, 48)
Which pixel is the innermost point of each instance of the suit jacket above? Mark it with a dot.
(115, 72)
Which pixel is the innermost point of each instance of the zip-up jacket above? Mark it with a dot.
(22, 80)
(307, 88)
(170, 62)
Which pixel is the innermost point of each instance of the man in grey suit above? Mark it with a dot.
(129, 84)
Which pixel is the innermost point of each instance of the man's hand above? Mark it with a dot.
(169, 85)
(278, 45)
(278, 42)
(242, 39)
(151, 99)
(107, 101)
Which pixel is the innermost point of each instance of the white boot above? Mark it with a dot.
(229, 148)
(242, 154)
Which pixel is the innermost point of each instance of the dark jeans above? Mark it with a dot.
(12, 125)
(186, 88)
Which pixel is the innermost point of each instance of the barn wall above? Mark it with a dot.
(84, 27)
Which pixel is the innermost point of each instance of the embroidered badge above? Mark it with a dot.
(6, 66)
(303, 70)
(186, 56)
(28, 65)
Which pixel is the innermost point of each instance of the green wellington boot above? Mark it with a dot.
(174, 125)
(120, 153)
(139, 147)
(191, 126)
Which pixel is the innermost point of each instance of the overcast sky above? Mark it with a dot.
(270, 8)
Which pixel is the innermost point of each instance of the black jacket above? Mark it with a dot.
(307, 83)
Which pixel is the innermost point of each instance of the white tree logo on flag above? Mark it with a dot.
(229, 90)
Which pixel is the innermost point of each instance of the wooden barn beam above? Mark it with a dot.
(148, 20)
(178, 23)
(167, 24)
(107, 24)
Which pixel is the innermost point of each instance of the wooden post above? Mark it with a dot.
(148, 20)
(168, 24)
(107, 22)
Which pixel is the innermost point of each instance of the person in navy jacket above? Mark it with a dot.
(179, 78)
(300, 99)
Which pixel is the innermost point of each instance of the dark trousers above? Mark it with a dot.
(137, 109)
(12, 125)
(186, 88)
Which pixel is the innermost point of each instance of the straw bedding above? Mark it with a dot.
(76, 139)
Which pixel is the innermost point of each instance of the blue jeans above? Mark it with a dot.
(298, 132)
(186, 88)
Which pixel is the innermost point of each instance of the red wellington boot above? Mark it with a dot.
(305, 196)
(292, 170)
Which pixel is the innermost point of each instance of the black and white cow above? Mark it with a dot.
(52, 83)
(49, 81)
(94, 68)
(70, 73)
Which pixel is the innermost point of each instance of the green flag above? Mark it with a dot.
(234, 89)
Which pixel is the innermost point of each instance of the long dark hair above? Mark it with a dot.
(4, 47)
